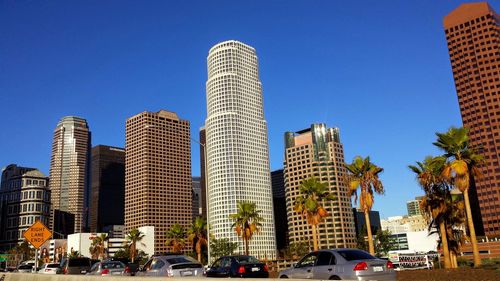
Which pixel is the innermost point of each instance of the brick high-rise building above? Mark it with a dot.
(317, 152)
(473, 36)
(158, 173)
(108, 187)
(69, 176)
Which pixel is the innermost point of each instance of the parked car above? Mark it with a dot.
(238, 266)
(132, 266)
(49, 268)
(172, 266)
(339, 264)
(75, 266)
(107, 268)
(25, 268)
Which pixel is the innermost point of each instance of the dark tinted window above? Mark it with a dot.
(180, 260)
(246, 260)
(79, 262)
(217, 263)
(25, 267)
(110, 265)
(53, 265)
(324, 258)
(351, 255)
(157, 264)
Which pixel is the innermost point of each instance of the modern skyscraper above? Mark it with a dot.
(473, 35)
(107, 204)
(69, 176)
(158, 173)
(196, 197)
(413, 206)
(236, 135)
(317, 152)
(24, 199)
(279, 206)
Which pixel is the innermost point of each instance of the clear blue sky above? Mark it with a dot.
(378, 70)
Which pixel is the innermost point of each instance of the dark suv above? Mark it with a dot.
(75, 266)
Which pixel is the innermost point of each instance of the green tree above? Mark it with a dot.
(363, 174)
(124, 252)
(296, 250)
(247, 221)
(176, 237)
(436, 188)
(197, 234)
(98, 246)
(309, 204)
(361, 242)
(133, 237)
(462, 168)
(383, 243)
(221, 247)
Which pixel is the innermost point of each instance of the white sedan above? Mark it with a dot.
(49, 268)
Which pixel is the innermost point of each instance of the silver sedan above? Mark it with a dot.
(341, 264)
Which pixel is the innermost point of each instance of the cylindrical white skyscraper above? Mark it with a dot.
(237, 146)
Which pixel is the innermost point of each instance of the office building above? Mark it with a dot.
(399, 224)
(158, 184)
(197, 197)
(413, 206)
(69, 176)
(279, 205)
(107, 204)
(237, 145)
(317, 152)
(360, 221)
(24, 199)
(473, 32)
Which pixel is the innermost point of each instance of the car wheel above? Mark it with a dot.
(335, 277)
(284, 276)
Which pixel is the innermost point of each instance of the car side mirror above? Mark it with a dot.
(294, 265)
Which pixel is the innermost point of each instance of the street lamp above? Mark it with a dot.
(206, 194)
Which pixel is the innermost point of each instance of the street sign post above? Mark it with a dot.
(36, 235)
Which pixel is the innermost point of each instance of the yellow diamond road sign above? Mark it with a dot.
(37, 234)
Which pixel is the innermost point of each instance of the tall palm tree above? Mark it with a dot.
(98, 246)
(247, 221)
(463, 165)
(436, 188)
(133, 237)
(364, 174)
(176, 237)
(197, 234)
(309, 204)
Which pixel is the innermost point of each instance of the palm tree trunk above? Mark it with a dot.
(453, 257)
(371, 248)
(444, 242)
(132, 252)
(245, 240)
(315, 237)
(472, 231)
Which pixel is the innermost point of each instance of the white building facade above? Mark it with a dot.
(237, 145)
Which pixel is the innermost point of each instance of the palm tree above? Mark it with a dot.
(133, 237)
(197, 234)
(364, 174)
(175, 238)
(247, 221)
(98, 247)
(436, 188)
(309, 204)
(463, 166)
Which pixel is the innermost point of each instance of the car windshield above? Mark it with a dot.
(174, 260)
(110, 265)
(350, 255)
(246, 260)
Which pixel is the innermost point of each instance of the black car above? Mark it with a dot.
(132, 267)
(238, 266)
